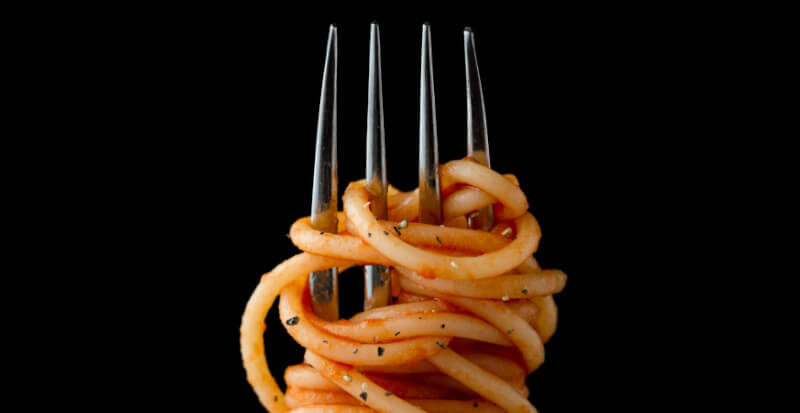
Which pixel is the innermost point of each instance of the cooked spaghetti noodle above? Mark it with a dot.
(473, 308)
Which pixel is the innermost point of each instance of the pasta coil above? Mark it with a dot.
(472, 314)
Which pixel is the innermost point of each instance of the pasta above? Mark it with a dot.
(472, 312)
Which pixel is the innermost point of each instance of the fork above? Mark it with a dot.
(377, 281)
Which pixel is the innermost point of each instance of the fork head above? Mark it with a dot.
(324, 284)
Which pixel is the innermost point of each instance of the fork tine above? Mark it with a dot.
(430, 208)
(477, 135)
(377, 280)
(324, 204)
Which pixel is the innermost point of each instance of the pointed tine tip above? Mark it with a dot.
(468, 29)
(373, 23)
(333, 41)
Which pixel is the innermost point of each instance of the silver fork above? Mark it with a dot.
(377, 282)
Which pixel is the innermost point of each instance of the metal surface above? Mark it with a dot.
(324, 204)
(377, 281)
(377, 278)
(430, 207)
(477, 135)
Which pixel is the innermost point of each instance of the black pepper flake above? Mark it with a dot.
(397, 334)
(438, 240)
(397, 230)
(363, 395)
(380, 351)
(369, 235)
(524, 290)
(293, 321)
(355, 351)
(441, 345)
(385, 233)
(442, 325)
(322, 233)
(474, 404)
(510, 331)
(395, 298)
(325, 341)
(274, 398)
(387, 394)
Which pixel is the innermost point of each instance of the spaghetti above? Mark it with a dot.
(473, 308)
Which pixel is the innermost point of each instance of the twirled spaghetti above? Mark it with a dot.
(473, 308)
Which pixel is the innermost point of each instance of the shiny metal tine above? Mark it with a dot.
(477, 135)
(377, 278)
(430, 208)
(324, 204)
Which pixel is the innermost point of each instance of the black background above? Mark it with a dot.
(212, 114)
